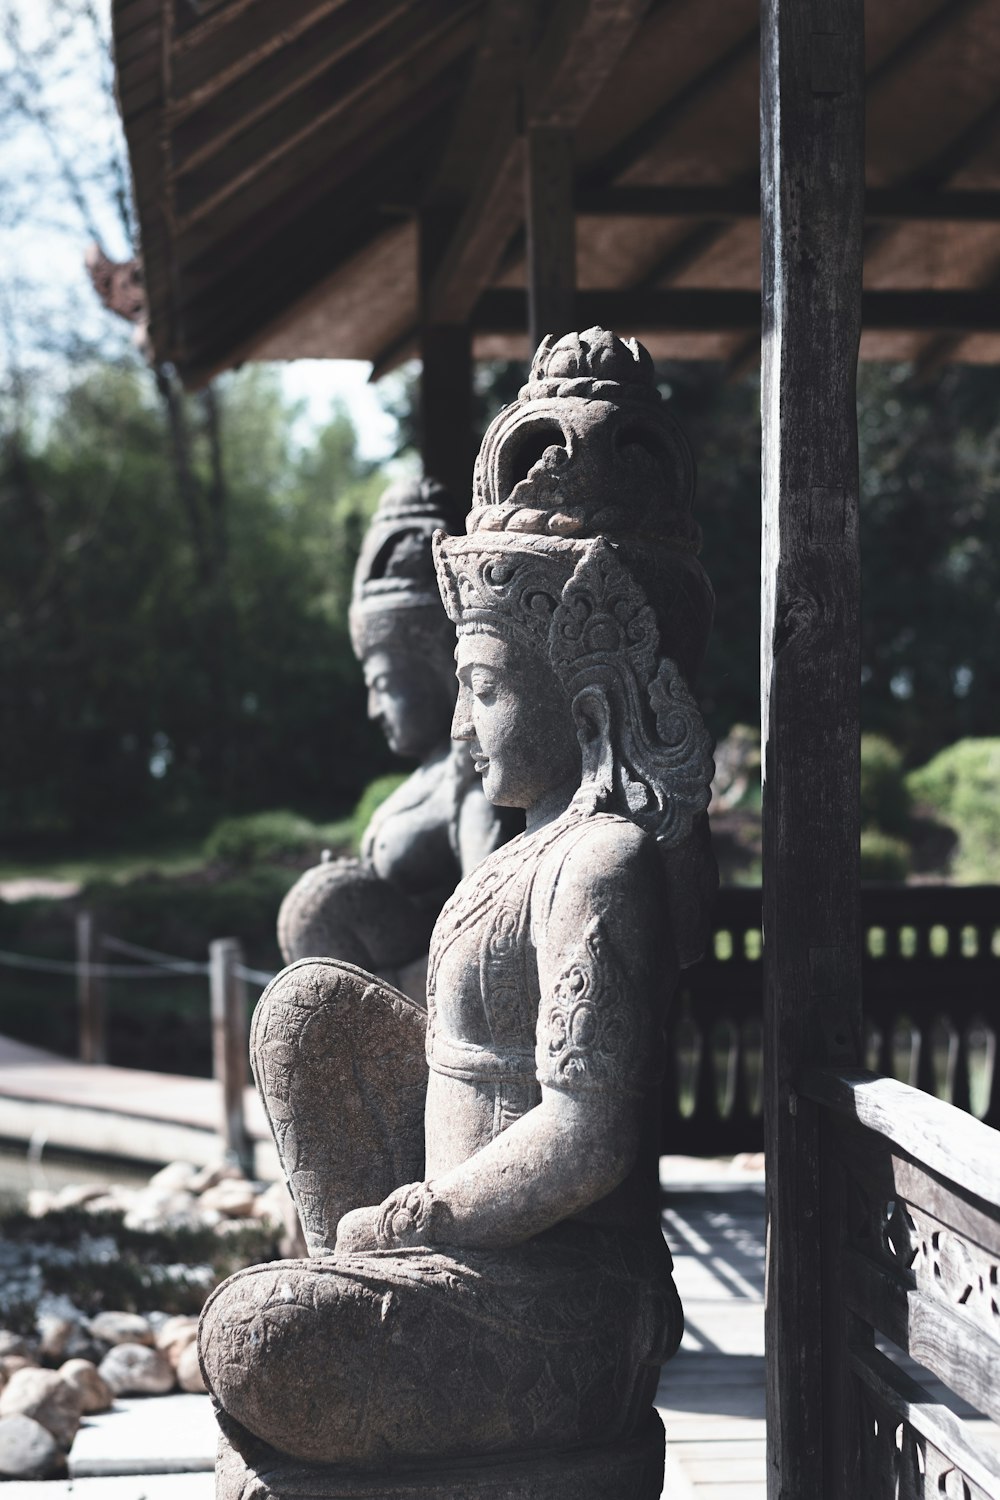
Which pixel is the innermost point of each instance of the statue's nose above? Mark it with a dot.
(462, 727)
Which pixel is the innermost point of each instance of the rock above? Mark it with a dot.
(11, 1363)
(121, 1328)
(178, 1176)
(189, 1376)
(86, 1379)
(220, 1171)
(42, 1395)
(54, 1335)
(137, 1370)
(157, 1209)
(40, 1202)
(175, 1336)
(232, 1197)
(12, 1343)
(274, 1203)
(79, 1193)
(28, 1450)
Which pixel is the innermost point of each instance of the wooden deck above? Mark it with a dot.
(143, 1116)
(711, 1395)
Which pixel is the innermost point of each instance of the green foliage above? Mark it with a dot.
(262, 838)
(883, 857)
(885, 800)
(371, 799)
(176, 651)
(962, 785)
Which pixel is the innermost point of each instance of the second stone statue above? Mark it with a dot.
(377, 911)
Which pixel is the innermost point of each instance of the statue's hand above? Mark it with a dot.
(357, 1230)
(403, 1219)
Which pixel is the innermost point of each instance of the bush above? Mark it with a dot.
(883, 857)
(262, 838)
(371, 799)
(962, 785)
(885, 798)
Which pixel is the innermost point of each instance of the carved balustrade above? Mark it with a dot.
(911, 1227)
(931, 990)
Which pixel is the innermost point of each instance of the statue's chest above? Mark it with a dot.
(483, 989)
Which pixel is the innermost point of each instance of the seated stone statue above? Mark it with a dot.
(488, 1298)
(378, 910)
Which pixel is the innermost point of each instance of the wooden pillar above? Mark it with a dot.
(90, 995)
(230, 1062)
(448, 442)
(812, 187)
(551, 227)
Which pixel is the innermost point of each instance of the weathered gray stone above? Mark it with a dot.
(122, 1328)
(83, 1376)
(42, 1395)
(137, 1370)
(487, 1281)
(28, 1450)
(378, 911)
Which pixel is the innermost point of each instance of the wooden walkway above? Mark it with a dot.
(711, 1395)
(149, 1117)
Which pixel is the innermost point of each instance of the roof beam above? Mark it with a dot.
(580, 48)
(742, 201)
(684, 311)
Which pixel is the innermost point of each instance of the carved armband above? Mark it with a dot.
(405, 1217)
(594, 1030)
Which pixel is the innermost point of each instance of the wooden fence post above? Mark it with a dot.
(230, 1044)
(89, 991)
(812, 207)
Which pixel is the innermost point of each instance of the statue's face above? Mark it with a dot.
(410, 700)
(514, 714)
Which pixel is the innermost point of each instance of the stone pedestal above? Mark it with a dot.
(621, 1471)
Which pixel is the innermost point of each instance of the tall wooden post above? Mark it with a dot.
(812, 187)
(551, 226)
(90, 1001)
(447, 439)
(230, 1063)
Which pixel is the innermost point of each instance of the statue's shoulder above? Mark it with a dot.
(603, 858)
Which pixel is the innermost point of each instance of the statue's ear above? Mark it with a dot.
(592, 717)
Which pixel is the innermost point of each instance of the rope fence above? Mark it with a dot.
(227, 977)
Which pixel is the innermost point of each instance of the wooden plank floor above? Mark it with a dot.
(711, 1394)
(118, 1111)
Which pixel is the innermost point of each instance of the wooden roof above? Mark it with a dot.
(283, 152)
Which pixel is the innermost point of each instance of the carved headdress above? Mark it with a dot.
(581, 537)
(395, 599)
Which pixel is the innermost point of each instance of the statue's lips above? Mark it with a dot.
(481, 763)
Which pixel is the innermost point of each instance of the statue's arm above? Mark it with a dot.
(604, 961)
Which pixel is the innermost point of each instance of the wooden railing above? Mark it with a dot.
(910, 1190)
(931, 1000)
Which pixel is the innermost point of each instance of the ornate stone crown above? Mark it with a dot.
(581, 537)
(395, 596)
(589, 448)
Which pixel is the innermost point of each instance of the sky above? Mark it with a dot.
(62, 153)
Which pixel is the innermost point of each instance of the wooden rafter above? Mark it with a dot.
(576, 54)
(681, 310)
(297, 138)
(742, 201)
